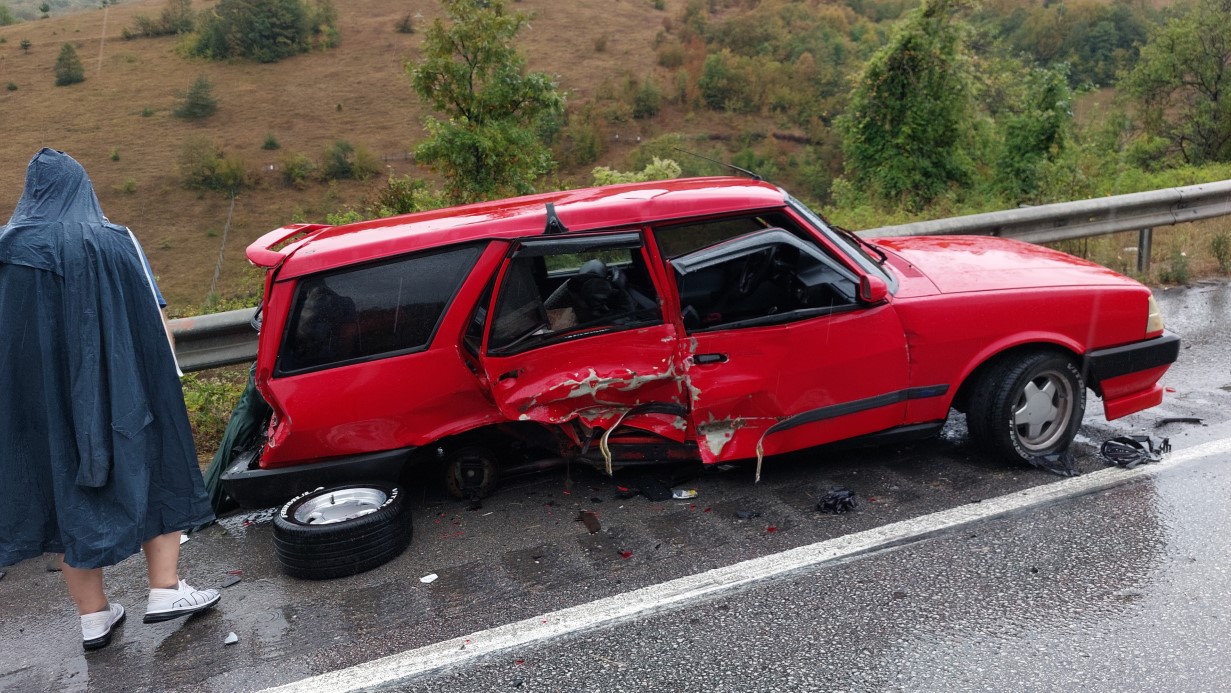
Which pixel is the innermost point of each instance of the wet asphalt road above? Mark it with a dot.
(1123, 590)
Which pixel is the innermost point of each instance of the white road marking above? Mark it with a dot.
(623, 607)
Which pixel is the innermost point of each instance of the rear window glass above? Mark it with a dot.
(371, 311)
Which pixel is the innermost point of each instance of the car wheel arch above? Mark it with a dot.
(978, 367)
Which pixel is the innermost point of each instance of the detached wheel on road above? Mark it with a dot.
(343, 530)
(1028, 405)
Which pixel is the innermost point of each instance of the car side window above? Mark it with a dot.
(380, 309)
(765, 277)
(556, 289)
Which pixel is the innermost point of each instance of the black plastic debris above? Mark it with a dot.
(1178, 419)
(655, 490)
(747, 514)
(2, 574)
(1130, 451)
(231, 581)
(1058, 463)
(838, 500)
(590, 519)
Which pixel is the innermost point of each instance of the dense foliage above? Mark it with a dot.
(265, 31)
(69, 69)
(492, 142)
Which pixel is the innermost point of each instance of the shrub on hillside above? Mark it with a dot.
(265, 31)
(6, 16)
(204, 164)
(199, 101)
(177, 17)
(343, 160)
(69, 69)
(297, 170)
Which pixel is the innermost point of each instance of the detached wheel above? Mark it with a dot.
(1028, 405)
(343, 530)
(471, 472)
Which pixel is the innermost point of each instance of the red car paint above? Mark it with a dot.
(765, 384)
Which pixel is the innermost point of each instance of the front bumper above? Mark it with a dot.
(1127, 376)
(265, 488)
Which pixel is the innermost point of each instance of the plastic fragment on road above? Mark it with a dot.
(1058, 463)
(1130, 451)
(590, 519)
(231, 581)
(837, 501)
(1178, 419)
(683, 493)
(232, 638)
(2, 574)
(183, 538)
(626, 555)
(429, 579)
(746, 514)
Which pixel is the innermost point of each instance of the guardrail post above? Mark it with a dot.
(1145, 238)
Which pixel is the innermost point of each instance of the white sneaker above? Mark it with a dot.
(96, 628)
(183, 600)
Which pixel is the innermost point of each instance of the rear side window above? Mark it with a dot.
(377, 310)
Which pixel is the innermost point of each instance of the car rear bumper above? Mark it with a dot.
(264, 488)
(1127, 376)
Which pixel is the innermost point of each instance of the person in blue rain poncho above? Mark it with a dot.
(96, 454)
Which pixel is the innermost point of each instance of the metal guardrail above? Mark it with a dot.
(221, 339)
(218, 339)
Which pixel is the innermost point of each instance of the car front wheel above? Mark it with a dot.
(1028, 405)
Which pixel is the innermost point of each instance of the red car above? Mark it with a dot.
(707, 319)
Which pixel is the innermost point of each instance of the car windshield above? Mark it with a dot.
(858, 248)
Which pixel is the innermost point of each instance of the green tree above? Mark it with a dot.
(199, 101)
(45, 8)
(69, 69)
(204, 164)
(264, 31)
(6, 16)
(904, 133)
(491, 143)
(25, 45)
(1182, 83)
(1035, 135)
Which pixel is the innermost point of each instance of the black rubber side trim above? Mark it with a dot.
(846, 408)
(264, 488)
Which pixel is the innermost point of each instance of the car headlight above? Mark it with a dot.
(1154, 321)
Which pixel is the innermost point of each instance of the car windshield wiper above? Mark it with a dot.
(863, 242)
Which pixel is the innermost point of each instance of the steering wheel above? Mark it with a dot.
(755, 270)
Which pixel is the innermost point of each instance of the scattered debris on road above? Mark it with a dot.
(429, 578)
(232, 638)
(1130, 451)
(590, 518)
(837, 501)
(1058, 463)
(231, 581)
(746, 514)
(683, 493)
(1178, 419)
(626, 555)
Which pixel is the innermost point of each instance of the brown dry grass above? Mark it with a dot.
(358, 92)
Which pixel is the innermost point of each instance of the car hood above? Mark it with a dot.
(957, 264)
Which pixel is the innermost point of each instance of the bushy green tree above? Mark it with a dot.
(490, 142)
(177, 17)
(1034, 135)
(265, 31)
(658, 169)
(1182, 83)
(69, 69)
(905, 132)
(204, 164)
(6, 16)
(199, 101)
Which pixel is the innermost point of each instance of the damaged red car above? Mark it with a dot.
(713, 319)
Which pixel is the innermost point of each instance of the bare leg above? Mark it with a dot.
(85, 586)
(162, 556)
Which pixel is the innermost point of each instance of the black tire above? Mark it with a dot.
(1028, 405)
(314, 541)
(471, 472)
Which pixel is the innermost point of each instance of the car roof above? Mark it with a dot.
(587, 209)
